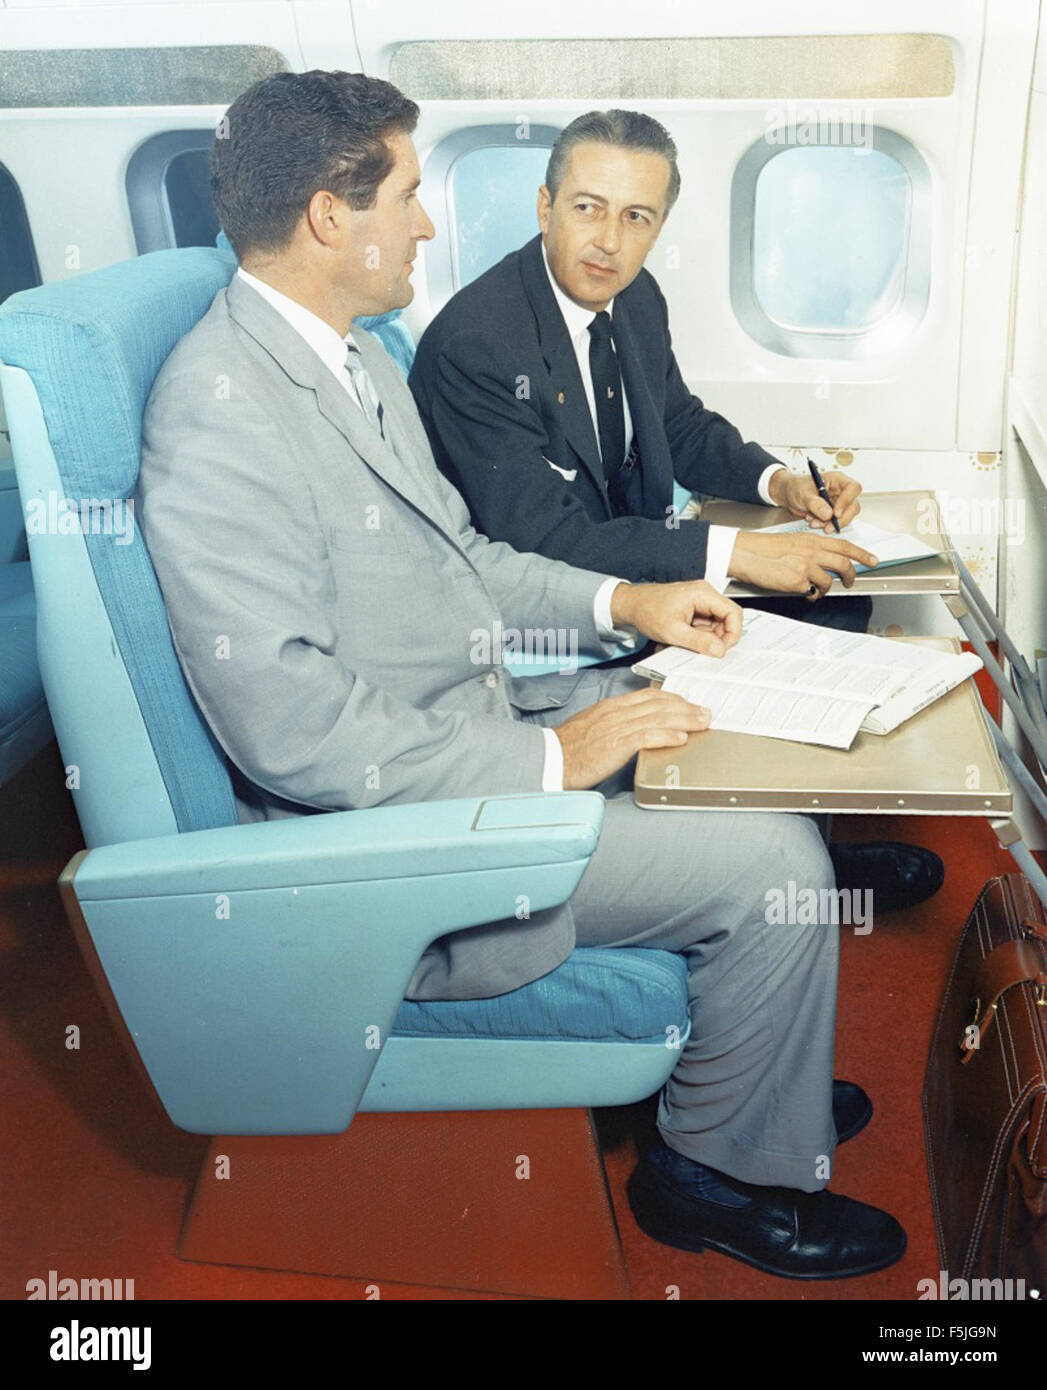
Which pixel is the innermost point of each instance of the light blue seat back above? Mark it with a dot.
(393, 334)
(92, 348)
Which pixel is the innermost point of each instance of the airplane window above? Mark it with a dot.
(18, 266)
(187, 184)
(830, 244)
(493, 195)
(482, 181)
(830, 237)
(169, 191)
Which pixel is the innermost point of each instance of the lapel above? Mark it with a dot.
(559, 356)
(297, 359)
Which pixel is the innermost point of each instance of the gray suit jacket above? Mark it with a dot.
(325, 591)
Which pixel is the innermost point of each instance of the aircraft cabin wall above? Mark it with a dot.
(839, 266)
(1023, 576)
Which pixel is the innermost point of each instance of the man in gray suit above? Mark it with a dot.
(325, 592)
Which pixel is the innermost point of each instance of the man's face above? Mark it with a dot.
(385, 238)
(606, 216)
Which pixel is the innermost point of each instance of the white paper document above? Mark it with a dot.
(809, 684)
(889, 547)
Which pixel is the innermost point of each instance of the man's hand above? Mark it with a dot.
(797, 493)
(692, 615)
(605, 736)
(795, 563)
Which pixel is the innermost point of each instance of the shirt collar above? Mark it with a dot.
(575, 316)
(321, 337)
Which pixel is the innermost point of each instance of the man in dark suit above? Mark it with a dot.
(554, 404)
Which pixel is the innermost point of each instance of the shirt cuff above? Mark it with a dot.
(719, 548)
(552, 772)
(763, 486)
(626, 636)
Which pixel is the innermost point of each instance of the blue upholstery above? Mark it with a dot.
(393, 334)
(24, 723)
(12, 528)
(627, 995)
(250, 961)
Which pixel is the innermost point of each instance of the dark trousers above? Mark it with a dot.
(849, 613)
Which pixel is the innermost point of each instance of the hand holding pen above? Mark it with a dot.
(820, 485)
(835, 495)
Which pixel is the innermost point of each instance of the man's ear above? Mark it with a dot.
(545, 204)
(326, 217)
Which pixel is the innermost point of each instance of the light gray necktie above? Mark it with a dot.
(364, 386)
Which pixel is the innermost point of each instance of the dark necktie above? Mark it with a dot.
(607, 391)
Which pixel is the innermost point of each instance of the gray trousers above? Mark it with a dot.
(751, 1094)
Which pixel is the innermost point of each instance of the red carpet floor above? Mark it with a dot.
(94, 1182)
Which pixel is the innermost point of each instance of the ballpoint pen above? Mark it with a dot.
(822, 492)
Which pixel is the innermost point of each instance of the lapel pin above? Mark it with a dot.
(610, 393)
(559, 397)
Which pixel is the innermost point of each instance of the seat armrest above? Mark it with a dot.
(412, 841)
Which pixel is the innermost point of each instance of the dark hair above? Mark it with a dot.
(631, 130)
(294, 133)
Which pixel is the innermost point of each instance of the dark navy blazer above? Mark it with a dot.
(497, 384)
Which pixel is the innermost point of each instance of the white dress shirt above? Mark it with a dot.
(577, 319)
(321, 337)
(332, 350)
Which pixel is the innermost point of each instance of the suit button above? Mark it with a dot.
(491, 680)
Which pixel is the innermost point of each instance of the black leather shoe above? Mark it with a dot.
(852, 1110)
(897, 875)
(797, 1235)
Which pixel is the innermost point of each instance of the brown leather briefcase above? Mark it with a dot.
(985, 1094)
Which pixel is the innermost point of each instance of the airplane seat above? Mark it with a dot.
(256, 972)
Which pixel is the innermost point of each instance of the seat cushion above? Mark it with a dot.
(597, 995)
